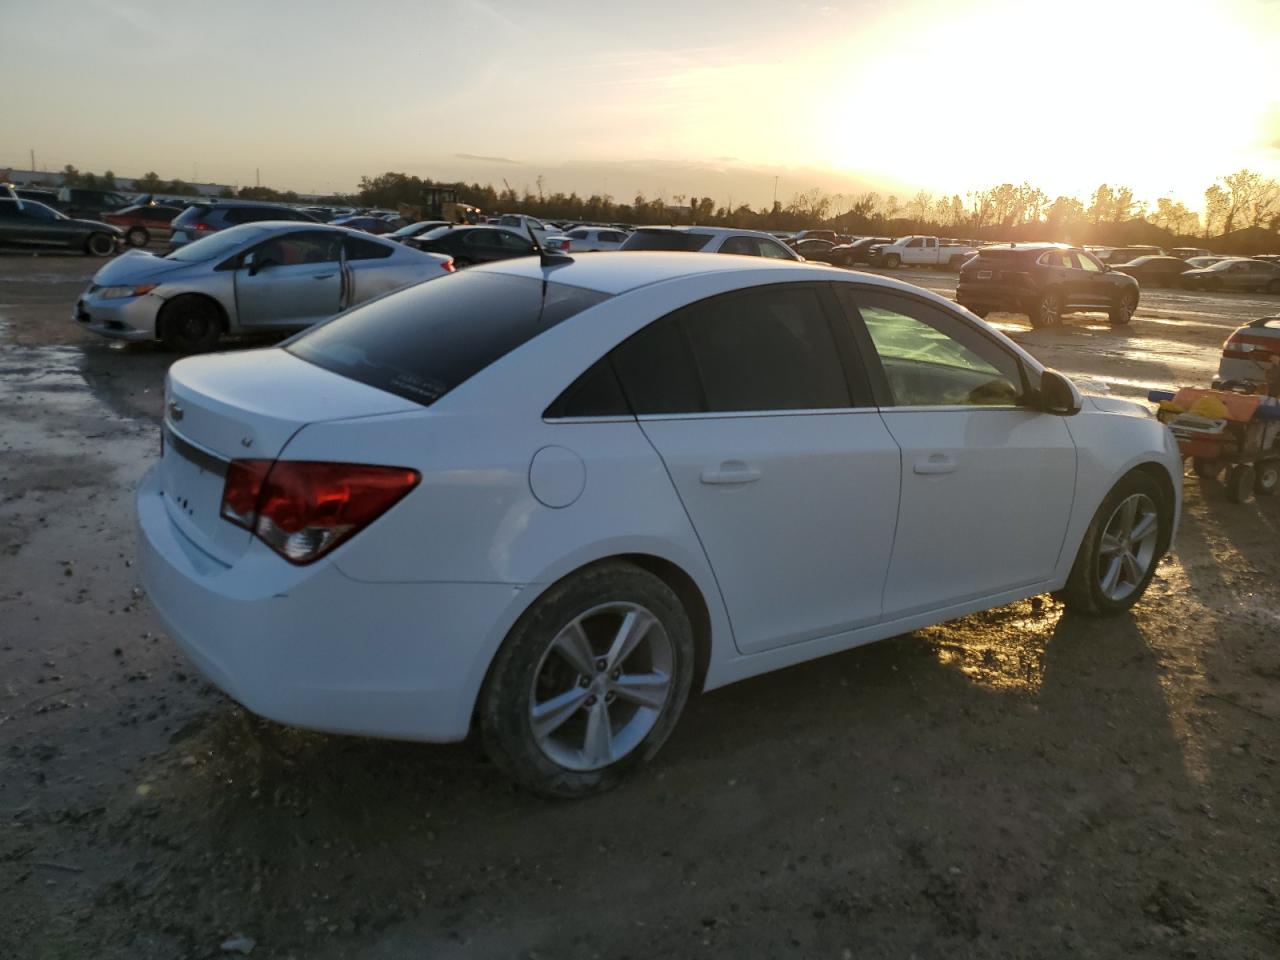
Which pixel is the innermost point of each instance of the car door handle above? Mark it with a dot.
(937, 463)
(729, 472)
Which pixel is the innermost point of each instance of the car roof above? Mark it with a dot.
(708, 231)
(617, 273)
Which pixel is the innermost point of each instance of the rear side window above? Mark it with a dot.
(667, 240)
(423, 341)
(358, 248)
(765, 349)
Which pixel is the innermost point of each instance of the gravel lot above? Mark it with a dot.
(1017, 784)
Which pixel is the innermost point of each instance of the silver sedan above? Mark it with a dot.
(257, 277)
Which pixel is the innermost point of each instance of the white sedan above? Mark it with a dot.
(553, 500)
(589, 239)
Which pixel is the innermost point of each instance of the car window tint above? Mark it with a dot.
(774, 251)
(298, 248)
(578, 234)
(933, 358)
(656, 370)
(1086, 262)
(596, 393)
(358, 248)
(512, 241)
(745, 246)
(667, 240)
(425, 340)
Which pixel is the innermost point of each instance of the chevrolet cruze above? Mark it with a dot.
(548, 501)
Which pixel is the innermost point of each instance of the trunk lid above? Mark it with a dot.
(244, 405)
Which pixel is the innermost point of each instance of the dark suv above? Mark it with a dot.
(84, 204)
(201, 219)
(1044, 281)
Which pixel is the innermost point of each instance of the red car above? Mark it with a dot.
(143, 221)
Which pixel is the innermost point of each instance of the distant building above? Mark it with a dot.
(53, 178)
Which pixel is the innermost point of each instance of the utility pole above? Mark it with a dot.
(33, 158)
(775, 191)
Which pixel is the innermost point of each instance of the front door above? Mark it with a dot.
(987, 484)
(291, 280)
(1098, 289)
(761, 414)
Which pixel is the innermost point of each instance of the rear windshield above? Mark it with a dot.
(1008, 253)
(422, 342)
(666, 240)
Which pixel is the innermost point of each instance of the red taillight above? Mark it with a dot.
(303, 509)
(448, 266)
(200, 227)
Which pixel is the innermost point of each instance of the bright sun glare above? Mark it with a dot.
(1064, 97)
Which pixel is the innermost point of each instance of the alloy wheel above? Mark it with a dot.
(1127, 547)
(1049, 309)
(601, 686)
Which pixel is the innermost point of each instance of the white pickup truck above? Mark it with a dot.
(922, 252)
(548, 236)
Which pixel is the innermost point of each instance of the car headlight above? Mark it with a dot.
(115, 293)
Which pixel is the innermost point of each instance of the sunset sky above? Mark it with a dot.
(705, 98)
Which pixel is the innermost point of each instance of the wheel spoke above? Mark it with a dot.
(1110, 544)
(634, 626)
(572, 644)
(645, 689)
(1113, 574)
(1144, 528)
(597, 746)
(550, 715)
(1129, 513)
(1132, 569)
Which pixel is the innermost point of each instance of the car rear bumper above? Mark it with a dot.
(125, 318)
(983, 297)
(311, 647)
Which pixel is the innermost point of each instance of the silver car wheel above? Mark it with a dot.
(601, 686)
(1127, 547)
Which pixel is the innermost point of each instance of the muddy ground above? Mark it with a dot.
(1017, 784)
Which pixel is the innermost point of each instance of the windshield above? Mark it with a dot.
(409, 230)
(666, 240)
(901, 240)
(219, 244)
(422, 342)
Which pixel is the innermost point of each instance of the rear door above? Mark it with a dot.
(760, 411)
(290, 280)
(987, 484)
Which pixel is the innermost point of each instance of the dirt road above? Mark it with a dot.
(1015, 784)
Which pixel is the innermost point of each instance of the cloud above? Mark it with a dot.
(482, 159)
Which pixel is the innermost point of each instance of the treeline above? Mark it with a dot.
(1008, 211)
(1112, 214)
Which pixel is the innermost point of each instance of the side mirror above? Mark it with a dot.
(1058, 395)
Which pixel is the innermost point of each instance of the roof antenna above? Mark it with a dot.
(548, 258)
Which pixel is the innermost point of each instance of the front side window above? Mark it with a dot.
(766, 349)
(932, 358)
(295, 248)
(774, 251)
(1086, 262)
(915, 242)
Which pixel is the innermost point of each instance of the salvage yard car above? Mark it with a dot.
(747, 243)
(550, 501)
(1236, 273)
(210, 216)
(258, 277)
(922, 252)
(143, 221)
(1045, 281)
(30, 225)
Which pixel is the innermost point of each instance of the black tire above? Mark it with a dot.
(892, 261)
(100, 245)
(1047, 310)
(1122, 310)
(507, 698)
(1205, 468)
(137, 236)
(190, 324)
(1084, 591)
(1267, 478)
(1240, 479)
